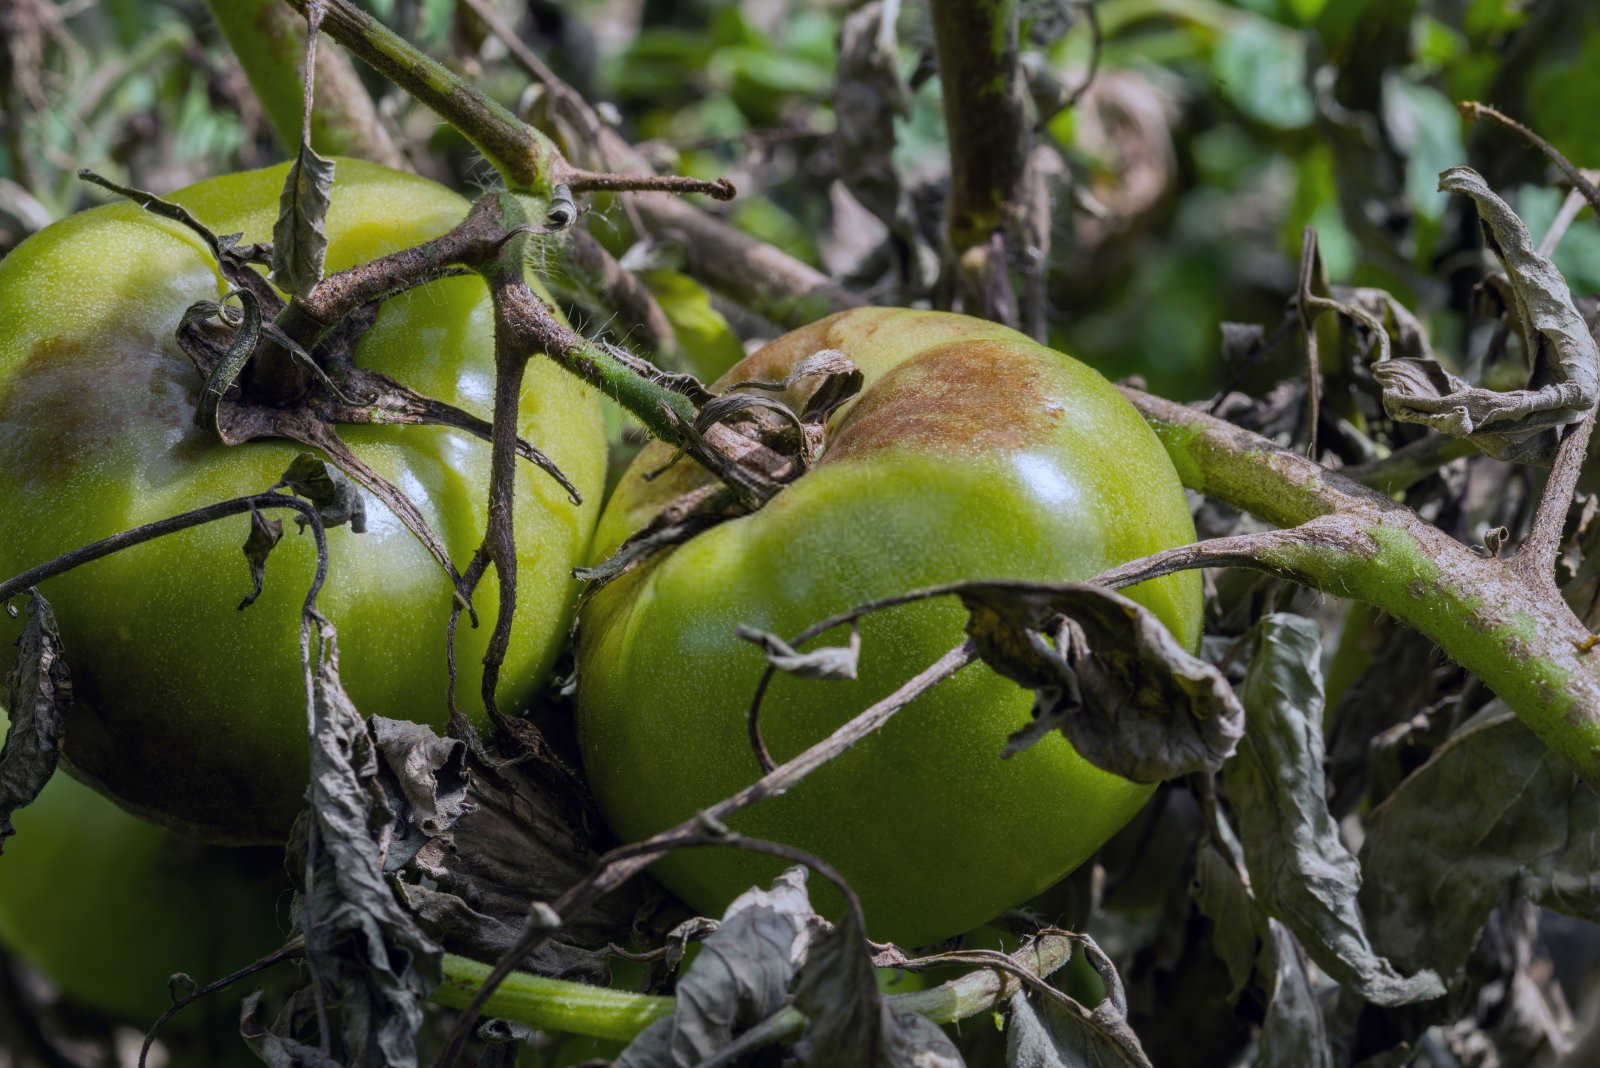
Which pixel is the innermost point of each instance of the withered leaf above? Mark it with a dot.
(337, 499)
(1300, 870)
(361, 943)
(240, 348)
(1492, 808)
(1565, 375)
(741, 977)
(258, 545)
(1043, 1033)
(825, 662)
(848, 1021)
(38, 693)
(300, 237)
(426, 776)
(1107, 674)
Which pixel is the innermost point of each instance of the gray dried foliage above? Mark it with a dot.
(1107, 674)
(1493, 809)
(300, 236)
(1564, 378)
(38, 694)
(1300, 869)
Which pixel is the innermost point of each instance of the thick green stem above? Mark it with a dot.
(270, 42)
(525, 158)
(1520, 638)
(581, 1009)
(552, 1004)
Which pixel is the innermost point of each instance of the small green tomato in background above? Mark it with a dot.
(971, 453)
(189, 710)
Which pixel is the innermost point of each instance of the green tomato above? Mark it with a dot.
(108, 906)
(971, 453)
(189, 710)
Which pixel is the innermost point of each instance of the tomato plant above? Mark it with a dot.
(972, 452)
(189, 709)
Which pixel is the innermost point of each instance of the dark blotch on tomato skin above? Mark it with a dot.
(967, 396)
(68, 404)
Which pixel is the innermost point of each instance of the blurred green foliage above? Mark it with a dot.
(1277, 115)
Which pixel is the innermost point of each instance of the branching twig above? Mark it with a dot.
(294, 949)
(10, 587)
(1527, 646)
(1535, 558)
(1471, 110)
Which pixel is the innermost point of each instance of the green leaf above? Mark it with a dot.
(1262, 69)
(1424, 125)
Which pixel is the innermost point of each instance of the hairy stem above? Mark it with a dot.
(1516, 634)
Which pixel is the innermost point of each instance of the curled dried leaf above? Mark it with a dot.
(827, 662)
(38, 694)
(1564, 379)
(1108, 675)
(258, 545)
(337, 499)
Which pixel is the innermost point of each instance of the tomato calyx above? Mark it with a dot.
(765, 442)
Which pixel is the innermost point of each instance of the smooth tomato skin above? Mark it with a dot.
(972, 452)
(189, 710)
(108, 905)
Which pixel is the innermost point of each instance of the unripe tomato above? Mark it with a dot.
(108, 906)
(190, 710)
(972, 452)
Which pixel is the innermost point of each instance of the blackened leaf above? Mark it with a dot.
(741, 976)
(1300, 870)
(1044, 1033)
(1243, 344)
(337, 499)
(1565, 379)
(448, 919)
(1110, 677)
(1254, 946)
(1492, 808)
(264, 536)
(849, 1021)
(1293, 1035)
(826, 662)
(300, 237)
(276, 1046)
(38, 693)
(240, 348)
(426, 776)
(361, 943)
(1237, 924)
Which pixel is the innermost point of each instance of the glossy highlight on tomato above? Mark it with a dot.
(189, 710)
(972, 452)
